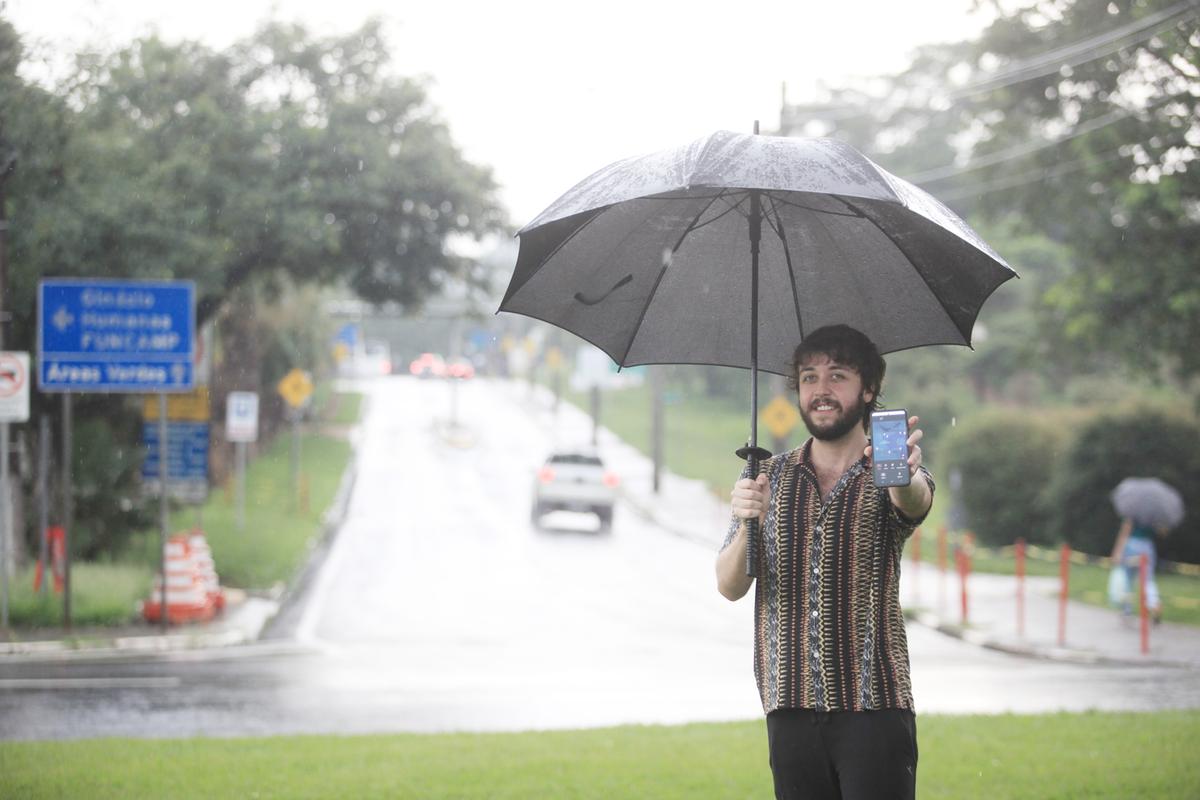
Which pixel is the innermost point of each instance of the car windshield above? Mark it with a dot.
(576, 458)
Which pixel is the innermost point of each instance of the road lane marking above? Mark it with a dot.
(9, 684)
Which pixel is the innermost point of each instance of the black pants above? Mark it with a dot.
(843, 755)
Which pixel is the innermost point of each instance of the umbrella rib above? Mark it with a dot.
(966, 335)
(694, 227)
(657, 281)
(794, 204)
(777, 226)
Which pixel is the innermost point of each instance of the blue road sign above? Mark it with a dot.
(348, 334)
(187, 451)
(115, 336)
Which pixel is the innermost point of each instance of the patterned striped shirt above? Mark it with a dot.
(829, 631)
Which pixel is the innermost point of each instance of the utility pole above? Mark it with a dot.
(8, 162)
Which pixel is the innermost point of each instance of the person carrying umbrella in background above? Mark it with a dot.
(1148, 507)
(830, 653)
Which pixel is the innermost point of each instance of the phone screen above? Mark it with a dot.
(890, 440)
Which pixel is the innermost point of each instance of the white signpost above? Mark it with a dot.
(14, 407)
(241, 426)
(241, 417)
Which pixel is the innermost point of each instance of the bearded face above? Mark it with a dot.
(831, 398)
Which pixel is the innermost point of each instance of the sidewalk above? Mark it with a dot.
(1093, 634)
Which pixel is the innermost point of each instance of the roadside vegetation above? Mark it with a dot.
(1094, 755)
(279, 531)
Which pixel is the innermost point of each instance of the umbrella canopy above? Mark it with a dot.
(650, 259)
(1148, 501)
(729, 250)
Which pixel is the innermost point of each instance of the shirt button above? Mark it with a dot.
(816, 570)
(815, 653)
(817, 530)
(814, 615)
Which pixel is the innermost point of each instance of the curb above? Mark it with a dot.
(277, 626)
(1044, 652)
(257, 608)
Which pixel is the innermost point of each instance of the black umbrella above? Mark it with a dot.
(728, 250)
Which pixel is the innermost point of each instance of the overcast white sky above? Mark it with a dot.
(548, 91)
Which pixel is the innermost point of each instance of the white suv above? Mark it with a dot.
(575, 480)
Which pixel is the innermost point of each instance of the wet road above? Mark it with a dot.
(441, 608)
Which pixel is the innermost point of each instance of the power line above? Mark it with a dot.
(1081, 52)
(1021, 150)
(1038, 175)
(1052, 61)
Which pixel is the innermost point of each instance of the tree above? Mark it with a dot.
(288, 160)
(1080, 121)
(287, 155)
(1087, 129)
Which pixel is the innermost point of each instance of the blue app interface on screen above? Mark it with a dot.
(890, 439)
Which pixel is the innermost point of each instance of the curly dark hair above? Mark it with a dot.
(849, 347)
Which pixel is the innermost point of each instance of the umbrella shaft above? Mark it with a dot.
(755, 237)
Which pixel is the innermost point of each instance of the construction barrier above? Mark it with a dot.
(188, 598)
(208, 571)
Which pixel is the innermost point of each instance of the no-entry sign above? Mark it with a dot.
(14, 386)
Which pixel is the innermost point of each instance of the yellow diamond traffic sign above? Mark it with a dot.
(295, 388)
(780, 416)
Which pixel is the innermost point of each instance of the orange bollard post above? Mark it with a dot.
(1144, 575)
(916, 566)
(1020, 553)
(1064, 573)
(941, 556)
(964, 569)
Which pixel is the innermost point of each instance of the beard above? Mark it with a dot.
(838, 427)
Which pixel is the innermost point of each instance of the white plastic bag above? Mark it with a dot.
(1118, 586)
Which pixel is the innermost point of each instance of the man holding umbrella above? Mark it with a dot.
(830, 654)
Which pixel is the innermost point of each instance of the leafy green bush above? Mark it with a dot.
(1140, 442)
(1004, 460)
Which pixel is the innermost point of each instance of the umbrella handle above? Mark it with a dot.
(754, 566)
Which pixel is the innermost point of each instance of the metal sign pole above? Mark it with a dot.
(5, 528)
(295, 412)
(241, 485)
(162, 502)
(43, 480)
(68, 510)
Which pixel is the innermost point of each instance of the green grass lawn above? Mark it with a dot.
(1094, 755)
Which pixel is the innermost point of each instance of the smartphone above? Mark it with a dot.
(889, 443)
